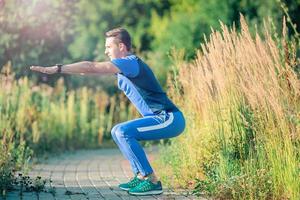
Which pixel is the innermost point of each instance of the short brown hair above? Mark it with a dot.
(121, 35)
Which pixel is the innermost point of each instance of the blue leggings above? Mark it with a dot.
(127, 134)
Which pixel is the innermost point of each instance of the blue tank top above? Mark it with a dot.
(139, 84)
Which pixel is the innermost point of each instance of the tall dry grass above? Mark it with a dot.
(241, 99)
(51, 118)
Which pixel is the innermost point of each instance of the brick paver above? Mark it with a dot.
(88, 174)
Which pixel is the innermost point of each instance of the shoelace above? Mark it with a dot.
(145, 185)
(134, 181)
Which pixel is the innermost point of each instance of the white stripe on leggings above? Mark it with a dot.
(159, 126)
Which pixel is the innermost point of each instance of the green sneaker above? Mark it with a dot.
(131, 184)
(146, 187)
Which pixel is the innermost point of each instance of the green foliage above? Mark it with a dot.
(63, 31)
(94, 18)
(13, 157)
(45, 117)
(186, 23)
(34, 32)
(25, 183)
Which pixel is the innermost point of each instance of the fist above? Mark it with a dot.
(45, 70)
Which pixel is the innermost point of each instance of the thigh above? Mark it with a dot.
(155, 127)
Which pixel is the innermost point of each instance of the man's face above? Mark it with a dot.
(113, 49)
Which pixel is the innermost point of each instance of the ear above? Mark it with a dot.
(122, 46)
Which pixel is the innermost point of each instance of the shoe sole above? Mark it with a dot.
(153, 192)
(125, 189)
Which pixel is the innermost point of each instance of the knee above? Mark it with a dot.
(113, 131)
(122, 132)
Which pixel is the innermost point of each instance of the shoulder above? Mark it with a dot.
(128, 65)
(128, 59)
(131, 57)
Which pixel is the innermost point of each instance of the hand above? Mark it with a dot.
(46, 70)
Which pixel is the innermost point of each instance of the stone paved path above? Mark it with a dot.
(89, 174)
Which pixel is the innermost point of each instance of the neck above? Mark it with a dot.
(126, 54)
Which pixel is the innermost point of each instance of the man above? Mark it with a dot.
(161, 118)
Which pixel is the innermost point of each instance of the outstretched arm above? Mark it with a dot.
(82, 68)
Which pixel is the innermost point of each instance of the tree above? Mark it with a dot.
(34, 32)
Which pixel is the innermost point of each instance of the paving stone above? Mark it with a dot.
(89, 174)
(47, 196)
